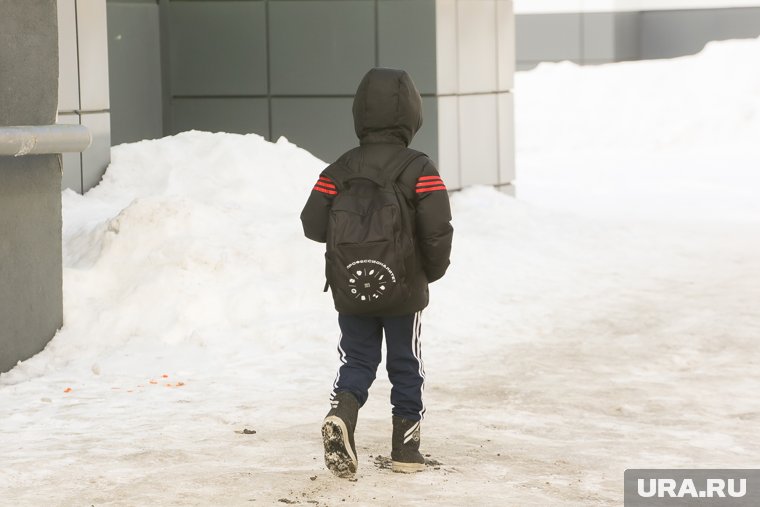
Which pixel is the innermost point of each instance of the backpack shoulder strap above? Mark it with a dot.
(338, 172)
(406, 157)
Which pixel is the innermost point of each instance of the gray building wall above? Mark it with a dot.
(30, 198)
(603, 37)
(134, 68)
(666, 34)
(291, 67)
(84, 88)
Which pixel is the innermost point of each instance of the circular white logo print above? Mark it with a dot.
(369, 280)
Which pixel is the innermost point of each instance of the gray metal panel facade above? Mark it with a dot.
(68, 57)
(134, 67)
(92, 35)
(84, 79)
(238, 115)
(406, 39)
(506, 146)
(475, 59)
(548, 38)
(95, 159)
(72, 162)
(325, 125)
(426, 139)
(603, 37)
(627, 36)
(307, 57)
(320, 46)
(667, 34)
(291, 67)
(322, 125)
(478, 135)
(218, 48)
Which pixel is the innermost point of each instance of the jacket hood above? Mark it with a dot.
(387, 107)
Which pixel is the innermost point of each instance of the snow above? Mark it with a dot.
(664, 139)
(606, 319)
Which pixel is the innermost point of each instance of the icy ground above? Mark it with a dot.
(606, 320)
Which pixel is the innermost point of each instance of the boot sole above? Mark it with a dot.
(340, 459)
(407, 468)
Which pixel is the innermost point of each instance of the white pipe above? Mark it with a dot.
(44, 139)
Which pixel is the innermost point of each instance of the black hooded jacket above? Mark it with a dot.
(387, 114)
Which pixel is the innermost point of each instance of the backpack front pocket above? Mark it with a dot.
(363, 277)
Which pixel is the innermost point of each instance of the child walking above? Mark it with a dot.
(384, 213)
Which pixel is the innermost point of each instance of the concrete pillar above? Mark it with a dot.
(30, 198)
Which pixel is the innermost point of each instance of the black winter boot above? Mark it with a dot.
(405, 454)
(338, 435)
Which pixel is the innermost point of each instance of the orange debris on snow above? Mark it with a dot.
(67, 390)
(165, 375)
(169, 384)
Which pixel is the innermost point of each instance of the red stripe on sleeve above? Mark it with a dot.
(326, 185)
(423, 178)
(325, 190)
(429, 183)
(430, 189)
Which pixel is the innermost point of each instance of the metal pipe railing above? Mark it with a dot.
(43, 139)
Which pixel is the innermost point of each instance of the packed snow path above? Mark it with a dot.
(591, 327)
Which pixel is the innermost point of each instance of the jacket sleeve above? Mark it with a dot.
(316, 211)
(434, 230)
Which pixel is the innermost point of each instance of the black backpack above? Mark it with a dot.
(370, 239)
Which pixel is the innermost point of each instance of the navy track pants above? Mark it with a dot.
(359, 349)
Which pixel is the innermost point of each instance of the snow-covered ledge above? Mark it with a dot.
(44, 139)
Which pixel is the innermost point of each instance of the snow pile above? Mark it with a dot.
(709, 99)
(193, 238)
(657, 140)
